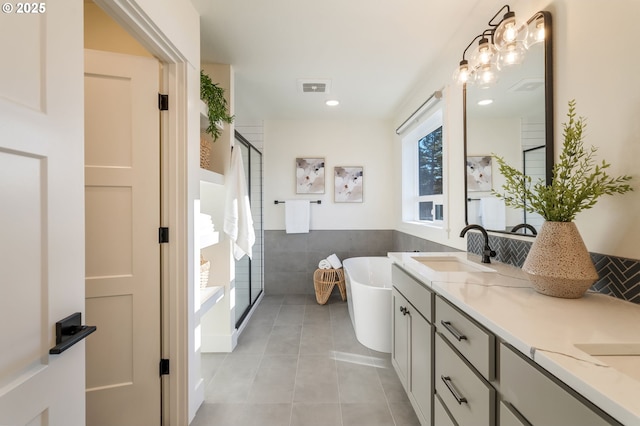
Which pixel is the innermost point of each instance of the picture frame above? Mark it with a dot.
(478, 173)
(348, 184)
(310, 175)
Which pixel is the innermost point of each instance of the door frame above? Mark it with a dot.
(174, 206)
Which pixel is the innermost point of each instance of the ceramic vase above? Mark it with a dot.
(558, 263)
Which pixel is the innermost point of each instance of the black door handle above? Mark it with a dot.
(69, 331)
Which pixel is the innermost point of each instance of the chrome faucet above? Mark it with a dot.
(525, 225)
(487, 253)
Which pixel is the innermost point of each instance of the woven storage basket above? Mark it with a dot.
(205, 266)
(205, 152)
(324, 280)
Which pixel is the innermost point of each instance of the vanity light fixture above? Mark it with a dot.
(332, 102)
(502, 44)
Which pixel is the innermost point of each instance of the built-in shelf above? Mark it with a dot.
(211, 177)
(209, 239)
(209, 296)
(204, 117)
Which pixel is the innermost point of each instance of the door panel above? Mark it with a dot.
(122, 193)
(41, 212)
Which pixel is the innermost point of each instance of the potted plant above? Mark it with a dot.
(558, 263)
(217, 108)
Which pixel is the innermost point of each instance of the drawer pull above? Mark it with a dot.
(404, 310)
(452, 389)
(453, 331)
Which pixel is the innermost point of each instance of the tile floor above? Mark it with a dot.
(299, 363)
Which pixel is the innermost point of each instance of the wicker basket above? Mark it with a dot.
(205, 152)
(324, 280)
(205, 266)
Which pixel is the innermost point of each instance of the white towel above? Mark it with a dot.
(296, 216)
(334, 261)
(493, 213)
(324, 264)
(238, 223)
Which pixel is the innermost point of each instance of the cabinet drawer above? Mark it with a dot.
(440, 414)
(510, 417)
(540, 399)
(467, 396)
(419, 295)
(474, 343)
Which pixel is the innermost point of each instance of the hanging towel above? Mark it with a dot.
(297, 216)
(238, 223)
(493, 213)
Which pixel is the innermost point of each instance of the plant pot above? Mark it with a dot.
(558, 263)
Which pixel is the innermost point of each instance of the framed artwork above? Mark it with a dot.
(309, 175)
(479, 173)
(348, 183)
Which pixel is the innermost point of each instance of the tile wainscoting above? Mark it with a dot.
(618, 277)
(291, 259)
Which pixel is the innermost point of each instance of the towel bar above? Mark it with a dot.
(311, 201)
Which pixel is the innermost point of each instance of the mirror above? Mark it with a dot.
(518, 126)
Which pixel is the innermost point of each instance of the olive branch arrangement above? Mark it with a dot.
(577, 180)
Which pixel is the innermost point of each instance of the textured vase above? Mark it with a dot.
(558, 263)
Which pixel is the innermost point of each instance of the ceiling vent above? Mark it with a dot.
(314, 86)
(527, 85)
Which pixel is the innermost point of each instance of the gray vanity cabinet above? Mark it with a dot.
(531, 396)
(412, 341)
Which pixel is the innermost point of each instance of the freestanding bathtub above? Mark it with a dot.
(368, 281)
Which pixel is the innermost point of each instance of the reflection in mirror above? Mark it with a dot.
(513, 118)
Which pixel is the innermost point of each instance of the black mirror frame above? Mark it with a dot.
(549, 126)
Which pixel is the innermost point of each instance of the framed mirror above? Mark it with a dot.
(512, 119)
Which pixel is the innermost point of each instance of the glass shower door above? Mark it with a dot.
(249, 272)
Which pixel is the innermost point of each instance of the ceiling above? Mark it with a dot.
(373, 52)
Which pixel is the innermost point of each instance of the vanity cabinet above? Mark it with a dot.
(531, 396)
(412, 341)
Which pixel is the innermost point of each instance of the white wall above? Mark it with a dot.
(589, 67)
(363, 143)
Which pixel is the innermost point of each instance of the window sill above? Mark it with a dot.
(424, 224)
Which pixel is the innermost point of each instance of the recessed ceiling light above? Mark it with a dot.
(485, 102)
(332, 102)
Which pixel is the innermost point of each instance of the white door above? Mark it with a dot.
(122, 192)
(41, 212)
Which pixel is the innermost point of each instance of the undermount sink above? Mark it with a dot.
(624, 357)
(451, 264)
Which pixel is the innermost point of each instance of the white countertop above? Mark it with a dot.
(545, 328)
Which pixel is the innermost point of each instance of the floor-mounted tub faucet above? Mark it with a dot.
(487, 253)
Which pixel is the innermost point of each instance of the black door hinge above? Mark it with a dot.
(163, 235)
(164, 367)
(163, 102)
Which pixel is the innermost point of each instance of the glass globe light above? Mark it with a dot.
(486, 76)
(462, 74)
(512, 54)
(509, 30)
(483, 53)
(536, 34)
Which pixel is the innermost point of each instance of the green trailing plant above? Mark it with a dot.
(577, 180)
(217, 108)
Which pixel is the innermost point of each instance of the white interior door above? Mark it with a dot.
(41, 213)
(122, 191)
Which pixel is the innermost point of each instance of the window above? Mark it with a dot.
(423, 173)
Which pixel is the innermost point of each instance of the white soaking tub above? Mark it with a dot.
(368, 281)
